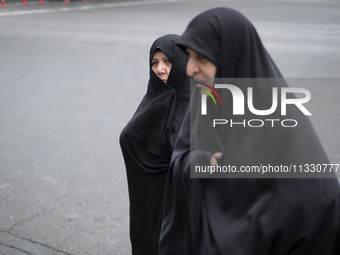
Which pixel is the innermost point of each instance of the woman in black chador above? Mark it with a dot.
(147, 141)
(244, 216)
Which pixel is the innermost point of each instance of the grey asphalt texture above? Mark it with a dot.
(72, 75)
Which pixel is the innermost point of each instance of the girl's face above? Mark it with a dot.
(161, 65)
(199, 67)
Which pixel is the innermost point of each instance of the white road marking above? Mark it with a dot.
(84, 7)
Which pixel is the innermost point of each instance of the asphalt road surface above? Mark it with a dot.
(71, 76)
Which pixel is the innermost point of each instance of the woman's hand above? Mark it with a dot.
(214, 158)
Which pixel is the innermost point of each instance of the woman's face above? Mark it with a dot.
(199, 67)
(161, 65)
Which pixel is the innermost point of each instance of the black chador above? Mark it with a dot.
(147, 144)
(251, 216)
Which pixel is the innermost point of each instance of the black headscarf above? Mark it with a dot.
(147, 144)
(245, 216)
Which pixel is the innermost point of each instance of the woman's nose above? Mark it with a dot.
(160, 68)
(191, 68)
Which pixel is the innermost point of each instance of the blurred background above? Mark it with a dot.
(72, 75)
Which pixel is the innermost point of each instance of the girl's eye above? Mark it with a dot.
(153, 63)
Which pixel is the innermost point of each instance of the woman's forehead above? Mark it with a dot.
(159, 54)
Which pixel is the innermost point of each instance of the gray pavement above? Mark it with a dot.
(70, 79)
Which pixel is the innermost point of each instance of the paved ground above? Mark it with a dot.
(72, 75)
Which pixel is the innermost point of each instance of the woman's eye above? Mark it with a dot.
(201, 57)
(153, 63)
(167, 62)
